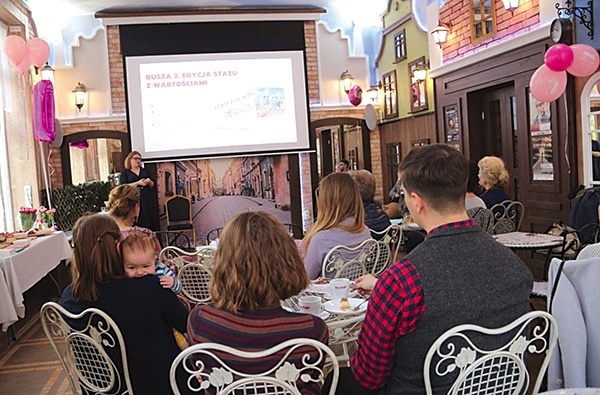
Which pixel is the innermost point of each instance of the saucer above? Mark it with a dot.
(333, 306)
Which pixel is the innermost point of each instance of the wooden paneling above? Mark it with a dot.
(404, 131)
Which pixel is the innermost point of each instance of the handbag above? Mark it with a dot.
(571, 243)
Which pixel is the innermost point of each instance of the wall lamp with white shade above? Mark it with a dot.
(80, 93)
(373, 94)
(420, 72)
(510, 5)
(47, 72)
(347, 81)
(440, 33)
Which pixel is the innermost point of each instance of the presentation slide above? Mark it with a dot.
(215, 104)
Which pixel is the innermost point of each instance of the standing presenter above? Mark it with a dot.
(136, 175)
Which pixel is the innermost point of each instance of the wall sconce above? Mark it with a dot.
(80, 92)
(440, 33)
(47, 73)
(373, 94)
(347, 81)
(584, 14)
(510, 5)
(420, 72)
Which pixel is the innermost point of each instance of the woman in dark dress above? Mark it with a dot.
(144, 311)
(136, 175)
(493, 176)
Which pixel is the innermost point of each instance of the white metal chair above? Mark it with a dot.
(484, 218)
(458, 353)
(350, 262)
(508, 216)
(293, 365)
(175, 258)
(195, 281)
(389, 245)
(90, 349)
(589, 251)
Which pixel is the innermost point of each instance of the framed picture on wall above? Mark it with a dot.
(540, 130)
(452, 126)
(419, 143)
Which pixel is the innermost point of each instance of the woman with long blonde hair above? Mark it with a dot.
(256, 266)
(340, 220)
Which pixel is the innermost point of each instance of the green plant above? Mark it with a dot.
(72, 201)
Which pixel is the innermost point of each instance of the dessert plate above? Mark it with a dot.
(333, 306)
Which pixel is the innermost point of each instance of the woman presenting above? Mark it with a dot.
(136, 175)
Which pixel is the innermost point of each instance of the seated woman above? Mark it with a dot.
(144, 311)
(340, 220)
(473, 188)
(124, 207)
(248, 284)
(493, 176)
(375, 218)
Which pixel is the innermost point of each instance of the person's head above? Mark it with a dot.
(366, 184)
(258, 265)
(133, 159)
(95, 256)
(492, 172)
(342, 166)
(338, 198)
(438, 174)
(138, 254)
(124, 201)
(473, 184)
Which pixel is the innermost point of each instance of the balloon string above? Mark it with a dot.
(567, 133)
(50, 163)
(25, 108)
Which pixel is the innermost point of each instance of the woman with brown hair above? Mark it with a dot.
(340, 220)
(144, 311)
(256, 266)
(124, 207)
(134, 174)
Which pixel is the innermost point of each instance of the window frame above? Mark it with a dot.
(418, 87)
(400, 52)
(390, 95)
(481, 6)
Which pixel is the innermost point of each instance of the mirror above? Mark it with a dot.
(590, 103)
(94, 155)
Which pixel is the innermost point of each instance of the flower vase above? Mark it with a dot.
(27, 220)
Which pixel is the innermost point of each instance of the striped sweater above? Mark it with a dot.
(255, 331)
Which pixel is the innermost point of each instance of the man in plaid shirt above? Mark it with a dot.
(458, 275)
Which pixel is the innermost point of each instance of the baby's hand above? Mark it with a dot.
(167, 282)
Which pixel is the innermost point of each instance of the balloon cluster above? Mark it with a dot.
(355, 95)
(23, 55)
(550, 80)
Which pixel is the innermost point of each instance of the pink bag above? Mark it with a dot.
(43, 112)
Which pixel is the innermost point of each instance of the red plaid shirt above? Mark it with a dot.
(396, 305)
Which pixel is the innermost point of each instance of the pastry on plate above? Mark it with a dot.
(344, 304)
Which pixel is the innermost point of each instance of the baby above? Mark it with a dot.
(139, 258)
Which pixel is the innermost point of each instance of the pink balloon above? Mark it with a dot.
(14, 49)
(24, 65)
(559, 57)
(586, 60)
(355, 95)
(39, 51)
(547, 85)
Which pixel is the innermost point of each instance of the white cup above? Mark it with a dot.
(310, 304)
(339, 288)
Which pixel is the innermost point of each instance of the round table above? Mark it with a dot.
(572, 391)
(528, 240)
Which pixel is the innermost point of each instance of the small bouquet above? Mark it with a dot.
(27, 216)
(45, 217)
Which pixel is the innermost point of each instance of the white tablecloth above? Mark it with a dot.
(572, 391)
(526, 240)
(24, 269)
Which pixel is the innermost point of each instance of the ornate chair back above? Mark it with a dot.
(389, 245)
(508, 216)
(459, 357)
(175, 258)
(213, 234)
(195, 279)
(350, 262)
(484, 218)
(215, 368)
(90, 349)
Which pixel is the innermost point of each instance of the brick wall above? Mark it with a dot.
(312, 67)
(116, 70)
(53, 155)
(508, 26)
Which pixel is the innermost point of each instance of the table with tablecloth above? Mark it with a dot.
(22, 270)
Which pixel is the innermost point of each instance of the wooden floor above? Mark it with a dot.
(30, 366)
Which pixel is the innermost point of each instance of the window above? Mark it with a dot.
(418, 89)
(390, 103)
(394, 157)
(168, 183)
(483, 20)
(400, 46)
